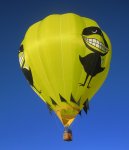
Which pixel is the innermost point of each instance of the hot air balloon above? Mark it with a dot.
(65, 58)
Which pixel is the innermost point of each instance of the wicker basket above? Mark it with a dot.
(67, 136)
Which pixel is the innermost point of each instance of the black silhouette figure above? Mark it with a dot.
(28, 75)
(27, 71)
(92, 62)
(92, 66)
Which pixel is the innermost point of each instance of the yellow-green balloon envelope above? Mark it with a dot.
(65, 59)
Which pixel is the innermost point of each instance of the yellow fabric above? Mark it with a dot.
(52, 48)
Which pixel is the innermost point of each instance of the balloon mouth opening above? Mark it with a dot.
(67, 135)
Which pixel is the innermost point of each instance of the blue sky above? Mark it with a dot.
(25, 123)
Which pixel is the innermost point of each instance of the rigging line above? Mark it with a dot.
(62, 58)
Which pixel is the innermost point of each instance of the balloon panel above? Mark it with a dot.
(65, 59)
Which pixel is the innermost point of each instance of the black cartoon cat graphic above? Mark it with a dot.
(92, 62)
